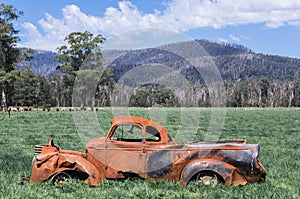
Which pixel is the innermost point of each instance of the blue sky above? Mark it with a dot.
(264, 26)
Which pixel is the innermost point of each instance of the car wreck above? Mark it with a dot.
(138, 147)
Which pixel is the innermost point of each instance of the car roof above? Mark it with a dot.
(132, 119)
(117, 120)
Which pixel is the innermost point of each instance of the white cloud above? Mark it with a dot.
(222, 40)
(38, 41)
(294, 23)
(238, 38)
(234, 38)
(178, 15)
(31, 30)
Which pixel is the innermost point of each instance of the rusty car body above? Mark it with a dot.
(137, 147)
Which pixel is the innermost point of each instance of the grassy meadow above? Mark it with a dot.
(277, 131)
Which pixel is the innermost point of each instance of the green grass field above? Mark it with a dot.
(277, 130)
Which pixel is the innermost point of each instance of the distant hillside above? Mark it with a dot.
(43, 62)
(235, 62)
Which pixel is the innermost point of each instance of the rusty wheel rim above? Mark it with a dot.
(61, 178)
(208, 179)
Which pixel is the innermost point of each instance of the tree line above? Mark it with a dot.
(246, 93)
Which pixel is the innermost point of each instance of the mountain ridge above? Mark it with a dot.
(235, 62)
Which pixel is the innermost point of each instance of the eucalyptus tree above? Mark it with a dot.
(80, 57)
(9, 52)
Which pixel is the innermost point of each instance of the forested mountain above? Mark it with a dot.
(250, 79)
(235, 62)
(42, 62)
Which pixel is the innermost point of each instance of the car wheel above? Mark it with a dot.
(61, 178)
(207, 178)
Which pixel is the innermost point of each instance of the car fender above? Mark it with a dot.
(229, 173)
(46, 165)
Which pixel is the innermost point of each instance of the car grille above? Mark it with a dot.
(38, 149)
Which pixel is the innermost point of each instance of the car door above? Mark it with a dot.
(158, 157)
(124, 156)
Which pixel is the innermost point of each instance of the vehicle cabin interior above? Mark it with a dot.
(134, 133)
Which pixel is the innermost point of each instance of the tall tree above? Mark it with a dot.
(56, 93)
(264, 84)
(296, 100)
(10, 55)
(72, 57)
(80, 45)
(42, 92)
(25, 88)
(105, 88)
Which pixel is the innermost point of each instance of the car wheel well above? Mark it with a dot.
(77, 174)
(74, 174)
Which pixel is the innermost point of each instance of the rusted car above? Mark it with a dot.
(137, 147)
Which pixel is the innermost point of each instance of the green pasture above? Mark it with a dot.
(277, 131)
